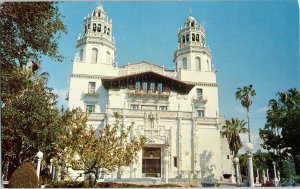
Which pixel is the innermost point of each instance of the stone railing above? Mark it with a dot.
(90, 93)
(96, 116)
(200, 98)
(159, 114)
(133, 92)
(207, 121)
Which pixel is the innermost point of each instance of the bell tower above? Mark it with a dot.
(192, 58)
(95, 46)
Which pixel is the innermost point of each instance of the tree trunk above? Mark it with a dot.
(12, 166)
(249, 131)
(96, 177)
(235, 167)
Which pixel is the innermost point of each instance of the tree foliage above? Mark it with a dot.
(232, 130)
(282, 130)
(244, 95)
(29, 120)
(28, 31)
(85, 149)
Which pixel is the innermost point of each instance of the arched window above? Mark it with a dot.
(193, 37)
(192, 24)
(99, 14)
(184, 63)
(207, 66)
(85, 29)
(198, 63)
(99, 28)
(197, 37)
(81, 55)
(183, 39)
(94, 55)
(94, 27)
(104, 29)
(108, 59)
(94, 13)
(108, 31)
(187, 37)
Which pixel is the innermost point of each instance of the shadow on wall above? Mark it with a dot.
(207, 169)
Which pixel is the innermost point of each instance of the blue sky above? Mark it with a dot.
(251, 42)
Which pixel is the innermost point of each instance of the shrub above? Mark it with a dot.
(267, 184)
(24, 177)
(65, 184)
(85, 184)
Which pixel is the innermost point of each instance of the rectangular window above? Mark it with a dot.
(227, 156)
(90, 108)
(160, 87)
(199, 93)
(134, 106)
(200, 113)
(146, 107)
(138, 86)
(163, 108)
(152, 87)
(92, 87)
(175, 161)
(145, 86)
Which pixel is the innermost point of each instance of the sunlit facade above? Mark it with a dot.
(177, 110)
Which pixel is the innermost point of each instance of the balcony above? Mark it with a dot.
(200, 98)
(90, 93)
(142, 93)
(96, 116)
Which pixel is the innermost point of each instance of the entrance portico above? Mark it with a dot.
(151, 162)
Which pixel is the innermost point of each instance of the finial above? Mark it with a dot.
(190, 12)
(99, 3)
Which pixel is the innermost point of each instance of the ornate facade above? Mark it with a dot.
(177, 110)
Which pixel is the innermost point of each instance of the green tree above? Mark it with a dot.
(29, 120)
(281, 132)
(232, 129)
(28, 31)
(244, 94)
(83, 148)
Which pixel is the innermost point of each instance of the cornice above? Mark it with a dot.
(88, 76)
(204, 84)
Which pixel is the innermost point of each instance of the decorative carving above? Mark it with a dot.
(151, 118)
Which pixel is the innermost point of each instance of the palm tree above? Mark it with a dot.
(232, 130)
(244, 96)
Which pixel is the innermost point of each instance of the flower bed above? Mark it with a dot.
(84, 184)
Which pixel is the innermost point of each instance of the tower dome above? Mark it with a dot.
(96, 44)
(190, 22)
(99, 8)
(192, 53)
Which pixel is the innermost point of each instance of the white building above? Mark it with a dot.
(177, 110)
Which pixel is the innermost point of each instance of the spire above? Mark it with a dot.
(190, 12)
